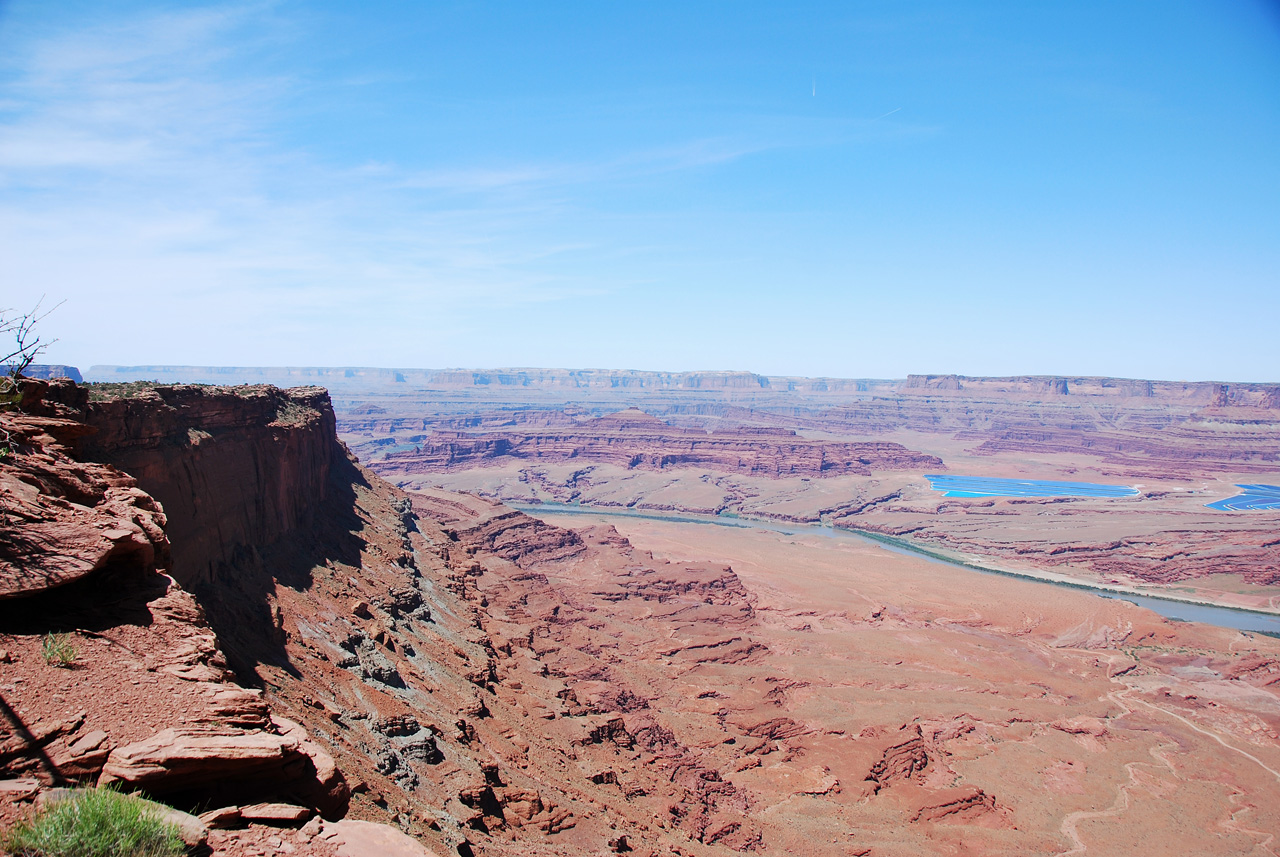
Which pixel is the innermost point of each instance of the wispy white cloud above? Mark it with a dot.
(136, 160)
(146, 178)
(139, 93)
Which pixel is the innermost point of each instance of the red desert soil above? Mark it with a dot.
(920, 709)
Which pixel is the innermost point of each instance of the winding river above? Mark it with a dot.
(1171, 608)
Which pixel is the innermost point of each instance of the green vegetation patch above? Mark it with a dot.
(58, 650)
(291, 413)
(95, 823)
(107, 391)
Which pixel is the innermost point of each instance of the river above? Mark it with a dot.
(1171, 608)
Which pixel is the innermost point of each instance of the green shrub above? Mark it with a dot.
(105, 391)
(58, 650)
(95, 823)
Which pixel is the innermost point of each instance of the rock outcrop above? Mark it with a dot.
(83, 548)
(235, 469)
(757, 453)
(634, 439)
(62, 519)
(49, 371)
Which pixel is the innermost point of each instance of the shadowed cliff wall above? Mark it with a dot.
(234, 468)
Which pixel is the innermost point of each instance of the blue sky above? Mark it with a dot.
(846, 189)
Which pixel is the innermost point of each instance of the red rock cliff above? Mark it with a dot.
(150, 705)
(234, 468)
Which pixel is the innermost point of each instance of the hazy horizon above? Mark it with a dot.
(1082, 190)
(232, 369)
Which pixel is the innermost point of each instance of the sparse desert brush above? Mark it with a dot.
(290, 413)
(105, 391)
(58, 650)
(95, 823)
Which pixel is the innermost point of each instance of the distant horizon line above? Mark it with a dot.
(98, 368)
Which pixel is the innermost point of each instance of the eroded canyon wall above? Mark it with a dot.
(235, 468)
(633, 439)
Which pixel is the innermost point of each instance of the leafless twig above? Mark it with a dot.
(28, 344)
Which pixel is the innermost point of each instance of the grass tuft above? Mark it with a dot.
(58, 650)
(95, 823)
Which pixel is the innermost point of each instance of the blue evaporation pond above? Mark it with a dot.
(985, 486)
(1255, 498)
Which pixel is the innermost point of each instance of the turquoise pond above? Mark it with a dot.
(1256, 498)
(986, 486)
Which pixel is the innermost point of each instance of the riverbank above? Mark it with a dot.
(1170, 605)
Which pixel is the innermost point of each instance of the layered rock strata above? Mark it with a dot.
(234, 470)
(633, 439)
(64, 519)
(112, 673)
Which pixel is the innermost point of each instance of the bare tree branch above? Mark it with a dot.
(28, 344)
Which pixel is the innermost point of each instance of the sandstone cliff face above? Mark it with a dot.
(360, 623)
(48, 371)
(140, 695)
(1178, 451)
(479, 703)
(1032, 387)
(152, 704)
(235, 468)
(494, 684)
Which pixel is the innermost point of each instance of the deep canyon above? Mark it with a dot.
(266, 616)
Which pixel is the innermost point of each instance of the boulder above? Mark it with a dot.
(522, 805)
(311, 829)
(325, 787)
(278, 814)
(23, 788)
(191, 829)
(225, 818)
(84, 757)
(176, 759)
(220, 764)
(366, 839)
